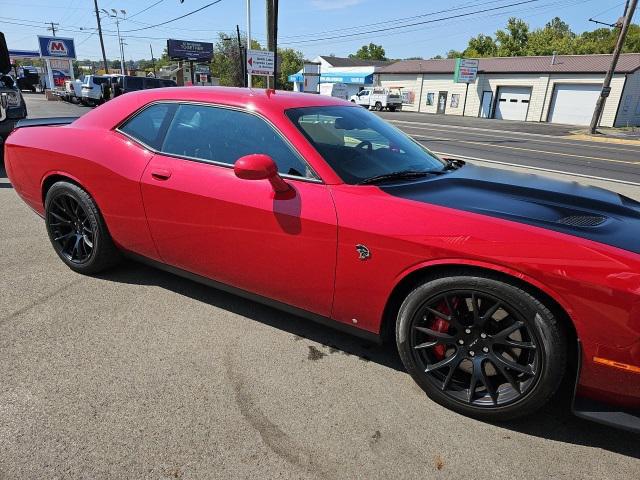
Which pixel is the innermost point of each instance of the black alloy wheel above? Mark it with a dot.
(72, 232)
(481, 346)
(483, 355)
(77, 230)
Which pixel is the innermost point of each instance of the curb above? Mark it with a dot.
(594, 138)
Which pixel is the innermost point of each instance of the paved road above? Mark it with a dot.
(140, 374)
(494, 141)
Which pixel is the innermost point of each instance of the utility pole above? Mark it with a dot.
(53, 27)
(242, 58)
(248, 38)
(153, 60)
(104, 55)
(606, 87)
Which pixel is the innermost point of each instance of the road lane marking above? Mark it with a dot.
(485, 144)
(565, 143)
(526, 167)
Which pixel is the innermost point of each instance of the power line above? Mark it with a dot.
(174, 19)
(435, 20)
(145, 9)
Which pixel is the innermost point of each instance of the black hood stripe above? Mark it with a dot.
(567, 207)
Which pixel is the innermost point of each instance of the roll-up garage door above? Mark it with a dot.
(573, 103)
(513, 103)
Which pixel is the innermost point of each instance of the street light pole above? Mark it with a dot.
(115, 15)
(606, 87)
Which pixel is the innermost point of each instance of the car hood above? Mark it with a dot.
(568, 207)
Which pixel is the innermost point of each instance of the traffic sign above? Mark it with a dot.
(260, 62)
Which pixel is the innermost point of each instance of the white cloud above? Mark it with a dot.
(334, 4)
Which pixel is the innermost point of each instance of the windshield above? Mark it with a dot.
(359, 145)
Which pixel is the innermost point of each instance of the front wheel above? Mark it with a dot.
(482, 347)
(77, 230)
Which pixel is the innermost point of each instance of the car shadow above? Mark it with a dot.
(553, 422)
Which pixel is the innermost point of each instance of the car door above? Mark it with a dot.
(207, 221)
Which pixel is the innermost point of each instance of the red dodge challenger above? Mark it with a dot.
(497, 287)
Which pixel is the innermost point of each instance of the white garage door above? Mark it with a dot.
(574, 104)
(513, 103)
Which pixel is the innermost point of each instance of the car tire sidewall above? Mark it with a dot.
(83, 198)
(549, 334)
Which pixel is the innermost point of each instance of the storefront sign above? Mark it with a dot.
(466, 70)
(56, 47)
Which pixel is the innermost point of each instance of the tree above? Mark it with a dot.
(512, 41)
(290, 62)
(481, 46)
(370, 52)
(556, 36)
(454, 54)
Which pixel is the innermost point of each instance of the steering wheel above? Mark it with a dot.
(365, 144)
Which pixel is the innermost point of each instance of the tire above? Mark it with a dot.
(77, 230)
(353, 101)
(392, 109)
(466, 361)
(378, 107)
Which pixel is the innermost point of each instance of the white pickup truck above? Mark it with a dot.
(378, 99)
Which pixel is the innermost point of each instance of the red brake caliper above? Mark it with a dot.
(440, 325)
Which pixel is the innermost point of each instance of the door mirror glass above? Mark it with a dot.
(5, 62)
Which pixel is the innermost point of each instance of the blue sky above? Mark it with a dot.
(307, 25)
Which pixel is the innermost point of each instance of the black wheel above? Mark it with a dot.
(392, 109)
(77, 231)
(481, 347)
(378, 107)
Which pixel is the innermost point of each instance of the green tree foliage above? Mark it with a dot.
(512, 41)
(481, 46)
(370, 52)
(290, 62)
(556, 36)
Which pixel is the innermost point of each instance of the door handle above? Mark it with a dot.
(161, 174)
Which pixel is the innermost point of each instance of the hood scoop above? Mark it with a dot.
(583, 220)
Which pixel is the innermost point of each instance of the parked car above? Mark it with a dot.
(378, 98)
(72, 91)
(28, 78)
(12, 104)
(92, 89)
(126, 84)
(496, 286)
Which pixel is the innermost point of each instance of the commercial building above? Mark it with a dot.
(556, 89)
(355, 73)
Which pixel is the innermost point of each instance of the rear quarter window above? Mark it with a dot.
(148, 126)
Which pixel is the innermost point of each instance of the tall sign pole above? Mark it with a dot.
(275, 44)
(104, 55)
(606, 87)
(248, 37)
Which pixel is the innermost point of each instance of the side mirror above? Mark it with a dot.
(260, 167)
(5, 62)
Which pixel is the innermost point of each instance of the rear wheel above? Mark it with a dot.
(378, 107)
(392, 109)
(77, 231)
(482, 347)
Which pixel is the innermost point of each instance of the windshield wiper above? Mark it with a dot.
(402, 174)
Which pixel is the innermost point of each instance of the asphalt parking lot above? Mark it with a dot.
(137, 373)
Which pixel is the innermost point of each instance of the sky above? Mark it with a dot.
(315, 27)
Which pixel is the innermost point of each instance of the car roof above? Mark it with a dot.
(261, 100)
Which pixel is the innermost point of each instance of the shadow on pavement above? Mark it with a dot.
(553, 422)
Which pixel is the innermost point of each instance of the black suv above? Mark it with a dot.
(126, 83)
(12, 106)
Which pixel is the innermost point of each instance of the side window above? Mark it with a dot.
(224, 135)
(148, 125)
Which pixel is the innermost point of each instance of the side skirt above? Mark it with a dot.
(329, 322)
